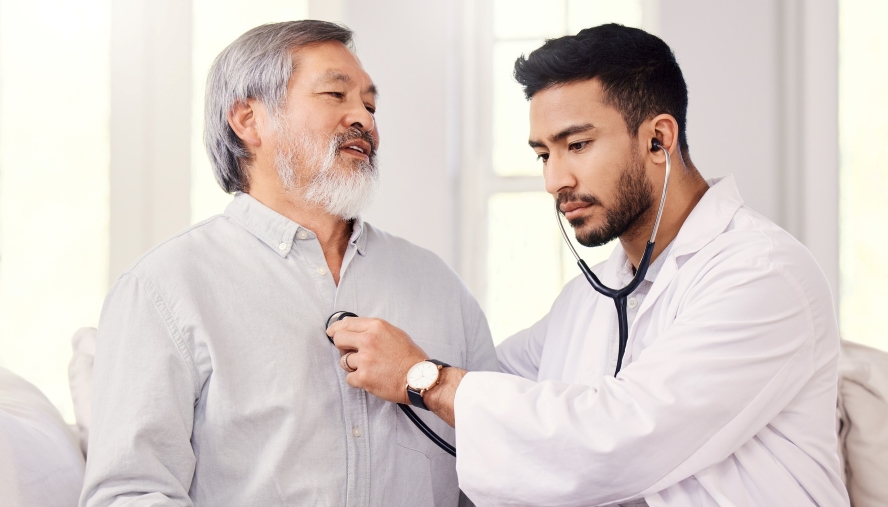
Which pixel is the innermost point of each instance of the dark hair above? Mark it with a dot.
(638, 72)
(257, 65)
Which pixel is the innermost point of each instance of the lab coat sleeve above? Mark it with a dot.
(738, 351)
(143, 404)
(520, 354)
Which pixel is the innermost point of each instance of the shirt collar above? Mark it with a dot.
(278, 231)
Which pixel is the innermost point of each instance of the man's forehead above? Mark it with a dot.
(563, 110)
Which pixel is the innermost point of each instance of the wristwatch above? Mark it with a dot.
(421, 377)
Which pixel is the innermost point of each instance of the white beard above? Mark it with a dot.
(343, 191)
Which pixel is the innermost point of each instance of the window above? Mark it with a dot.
(216, 25)
(526, 261)
(54, 148)
(863, 174)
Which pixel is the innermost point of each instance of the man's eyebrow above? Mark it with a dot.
(333, 76)
(536, 144)
(569, 131)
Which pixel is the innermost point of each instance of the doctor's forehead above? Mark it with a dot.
(559, 108)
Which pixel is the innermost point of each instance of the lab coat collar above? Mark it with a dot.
(278, 231)
(707, 220)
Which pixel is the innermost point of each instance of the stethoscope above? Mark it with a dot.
(423, 427)
(619, 295)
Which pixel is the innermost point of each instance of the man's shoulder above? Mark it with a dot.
(182, 251)
(753, 238)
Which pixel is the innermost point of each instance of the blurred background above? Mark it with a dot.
(101, 119)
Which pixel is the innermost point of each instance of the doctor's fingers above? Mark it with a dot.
(356, 324)
(346, 340)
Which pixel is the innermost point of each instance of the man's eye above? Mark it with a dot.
(543, 156)
(338, 95)
(371, 109)
(578, 145)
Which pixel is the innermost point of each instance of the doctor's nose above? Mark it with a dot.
(557, 176)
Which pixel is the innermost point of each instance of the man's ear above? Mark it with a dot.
(243, 119)
(664, 129)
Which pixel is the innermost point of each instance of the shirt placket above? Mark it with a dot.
(354, 402)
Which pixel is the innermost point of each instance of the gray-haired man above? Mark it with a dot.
(214, 382)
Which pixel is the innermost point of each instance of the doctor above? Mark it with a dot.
(727, 390)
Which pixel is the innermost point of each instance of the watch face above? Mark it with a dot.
(422, 375)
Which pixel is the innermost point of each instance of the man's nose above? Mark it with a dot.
(557, 175)
(359, 117)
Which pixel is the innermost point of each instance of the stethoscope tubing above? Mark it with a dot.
(619, 296)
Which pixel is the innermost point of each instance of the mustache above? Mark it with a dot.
(567, 196)
(353, 134)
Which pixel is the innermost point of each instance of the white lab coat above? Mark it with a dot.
(727, 395)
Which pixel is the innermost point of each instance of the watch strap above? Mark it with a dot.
(416, 399)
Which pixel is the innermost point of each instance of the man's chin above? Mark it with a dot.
(590, 236)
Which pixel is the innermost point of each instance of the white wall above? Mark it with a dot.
(763, 82)
(411, 51)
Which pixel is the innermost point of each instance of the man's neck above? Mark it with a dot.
(686, 188)
(333, 232)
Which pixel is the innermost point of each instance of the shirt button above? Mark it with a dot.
(632, 303)
(282, 246)
(322, 271)
(302, 235)
(356, 431)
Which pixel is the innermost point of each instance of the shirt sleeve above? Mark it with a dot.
(144, 391)
(480, 352)
(739, 350)
(520, 354)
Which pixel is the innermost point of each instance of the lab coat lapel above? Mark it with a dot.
(707, 220)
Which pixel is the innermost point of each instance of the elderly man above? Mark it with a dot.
(214, 382)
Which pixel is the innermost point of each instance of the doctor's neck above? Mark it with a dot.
(686, 188)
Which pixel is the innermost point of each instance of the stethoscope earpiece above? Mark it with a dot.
(655, 144)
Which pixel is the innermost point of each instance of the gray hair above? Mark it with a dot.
(257, 65)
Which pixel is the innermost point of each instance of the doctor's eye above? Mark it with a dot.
(543, 156)
(579, 145)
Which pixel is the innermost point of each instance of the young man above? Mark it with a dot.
(214, 382)
(727, 390)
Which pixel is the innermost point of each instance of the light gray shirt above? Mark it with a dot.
(215, 383)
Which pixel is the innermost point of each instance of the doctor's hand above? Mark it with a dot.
(379, 355)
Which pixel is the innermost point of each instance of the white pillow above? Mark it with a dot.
(863, 423)
(40, 459)
(80, 373)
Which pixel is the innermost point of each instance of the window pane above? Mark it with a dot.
(511, 154)
(527, 260)
(524, 266)
(588, 13)
(216, 24)
(863, 101)
(54, 149)
(528, 19)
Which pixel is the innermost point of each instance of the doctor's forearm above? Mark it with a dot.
(440, 399)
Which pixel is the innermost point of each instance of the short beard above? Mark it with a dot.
(634, 197)
(344, 188)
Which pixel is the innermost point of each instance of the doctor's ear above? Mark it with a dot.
(662, 133)
(244, 122)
